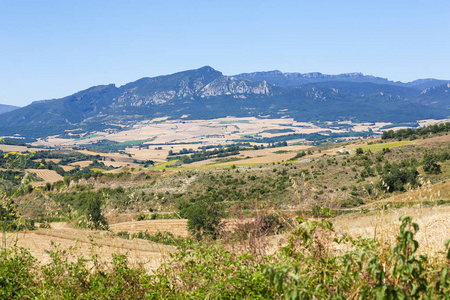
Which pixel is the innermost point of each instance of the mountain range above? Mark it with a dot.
(206, 93)
(6, 108)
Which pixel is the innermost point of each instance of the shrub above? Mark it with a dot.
(430, 165)
(204, 218)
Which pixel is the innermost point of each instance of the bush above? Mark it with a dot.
(93, 218)
(204, 218)
(430, 165)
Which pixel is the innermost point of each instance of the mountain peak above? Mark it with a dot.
(207, 69)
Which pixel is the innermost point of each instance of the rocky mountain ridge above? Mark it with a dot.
(205, 93)
(298, 79)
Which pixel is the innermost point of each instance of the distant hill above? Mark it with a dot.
(298, 79)
(6, 108)
(206, 93)
(438, 96)
(426, 83)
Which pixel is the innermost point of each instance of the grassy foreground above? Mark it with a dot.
(317, 263)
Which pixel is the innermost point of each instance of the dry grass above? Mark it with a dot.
(426, 193)
(87, 243)
(384, 226)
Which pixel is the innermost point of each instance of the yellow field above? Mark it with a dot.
(67, 168)
(81, 164)
(11, 148)
(55, 160)
(49, 176)
(86, 243)
(434, 224)
(174, 226)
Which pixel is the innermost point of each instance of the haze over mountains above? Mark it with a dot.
(206, 93)
(5, 108)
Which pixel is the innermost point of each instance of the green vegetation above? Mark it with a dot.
(16, 164)
(204, 155)
(400, 125)
(228, 260)
(11, 220)
(106, 146)
(415, 133)
(204, 218)
(298, 155)
(165, 238)
(13, 142)
(307, 268)
(88, 137)
(284, 130)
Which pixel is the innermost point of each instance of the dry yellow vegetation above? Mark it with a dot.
(49, 176)
(85, 243)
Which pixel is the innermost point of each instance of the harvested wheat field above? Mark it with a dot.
(174, 226)
(67, 168)
(434, 226)
(12, 148)
(48, 175)
(81, 164)
(86, 243)
(55, 160)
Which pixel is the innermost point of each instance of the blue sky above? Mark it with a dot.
(50, 49)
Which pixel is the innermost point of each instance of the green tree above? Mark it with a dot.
(204, 218)
(430, 165)
(95, 215)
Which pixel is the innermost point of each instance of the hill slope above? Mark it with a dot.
(6, 108)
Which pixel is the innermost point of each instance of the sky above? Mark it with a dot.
(52, 49)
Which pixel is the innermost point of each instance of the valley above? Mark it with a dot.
(74, 206)
(183, 174)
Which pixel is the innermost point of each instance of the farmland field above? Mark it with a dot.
(49, 176)
(379, 147)
(77, 242)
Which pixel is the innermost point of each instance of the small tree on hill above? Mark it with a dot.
(204, 218)
(430, 165)
(96, 219)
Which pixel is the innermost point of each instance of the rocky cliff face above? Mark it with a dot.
(297, 79)
(204, 82)
(233, 86)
